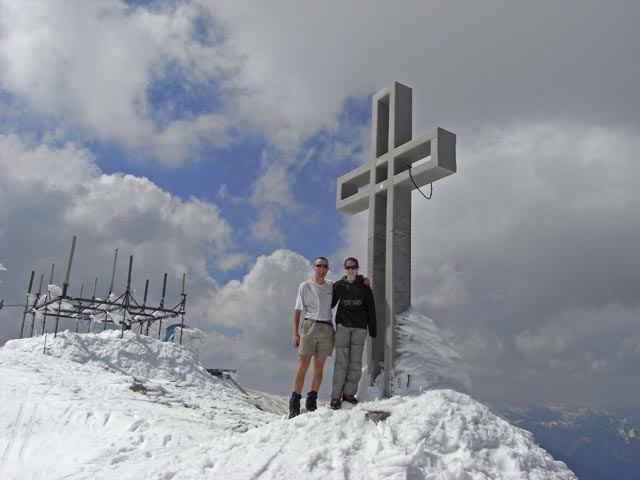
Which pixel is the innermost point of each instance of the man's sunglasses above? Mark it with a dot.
(351, 267)
(320, 265)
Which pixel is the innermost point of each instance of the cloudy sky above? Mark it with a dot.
(206, 138)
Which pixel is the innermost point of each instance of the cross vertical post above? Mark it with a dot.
(396, 167)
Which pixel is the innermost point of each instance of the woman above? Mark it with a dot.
(356, 312)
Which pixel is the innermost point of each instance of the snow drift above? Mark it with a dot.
(98, 406)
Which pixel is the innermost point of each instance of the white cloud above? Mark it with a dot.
(285, 70)
(261, 307)
(174, 143)
(274, 187)
(56, 193)
(270, 84)
(99, 84)
(265, 227)
(353, 235)
(233, 261)
(272, 197)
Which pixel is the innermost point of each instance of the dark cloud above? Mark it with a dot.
(534, 238)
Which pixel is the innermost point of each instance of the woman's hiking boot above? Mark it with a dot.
(311, 403)
(335, 403)
(350, 398)
(294, 405)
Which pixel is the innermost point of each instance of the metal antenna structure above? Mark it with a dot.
(121, 310)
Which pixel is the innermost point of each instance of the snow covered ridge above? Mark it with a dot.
(99, 407)
(136, 355)
(439, 434)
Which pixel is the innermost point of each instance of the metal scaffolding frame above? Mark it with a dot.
(123, 309)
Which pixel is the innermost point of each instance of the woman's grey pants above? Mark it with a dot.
(347, 368)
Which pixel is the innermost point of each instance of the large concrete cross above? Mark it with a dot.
(384, 186)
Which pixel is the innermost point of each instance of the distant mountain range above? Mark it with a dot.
(595, 444)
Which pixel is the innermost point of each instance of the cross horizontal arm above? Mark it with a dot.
(349, 196)
(437, 149)
(439, 144)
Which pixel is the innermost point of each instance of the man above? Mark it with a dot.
(356, 312)
(314, 299)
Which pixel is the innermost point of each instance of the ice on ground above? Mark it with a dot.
(97, 406)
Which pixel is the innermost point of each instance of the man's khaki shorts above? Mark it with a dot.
(316, 339)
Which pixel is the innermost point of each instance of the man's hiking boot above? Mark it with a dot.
(350, 398)
(311, 402)
(294, 405)
(335, 403)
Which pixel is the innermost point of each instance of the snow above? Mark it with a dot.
(425, 361)
(97, 406)
(55, 291)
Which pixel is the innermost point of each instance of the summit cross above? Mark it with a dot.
(398, 164)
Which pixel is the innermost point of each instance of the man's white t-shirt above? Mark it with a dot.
(315, 300)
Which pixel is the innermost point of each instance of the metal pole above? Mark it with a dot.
(113, 274)
(35, 304)
(126, 297)
(164, 290)
(26, 303)
(80, 307)
(129, 274)
(44, 317)
(65, 285)
(182, 309)
(93, 297)
(55, 332)
(144, 304)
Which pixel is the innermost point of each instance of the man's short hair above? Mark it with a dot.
(321, 258)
